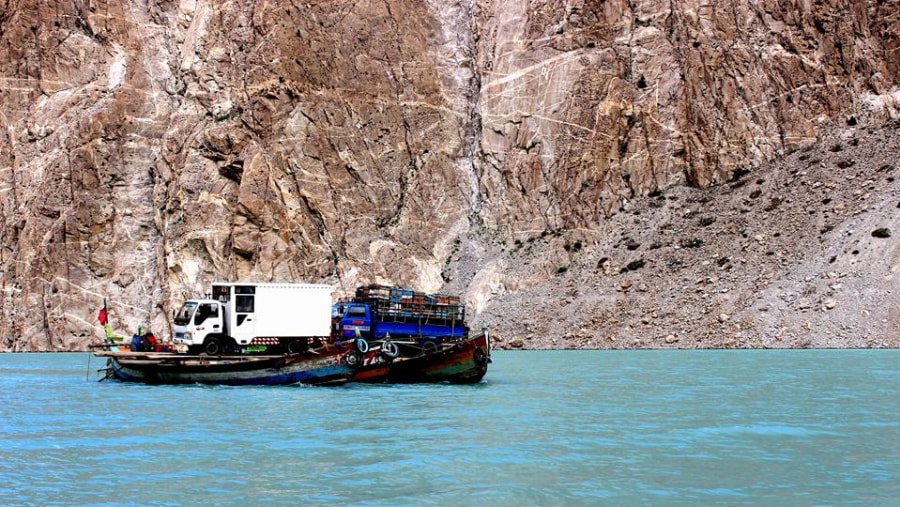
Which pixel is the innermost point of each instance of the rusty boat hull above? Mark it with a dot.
(172, 368)
(463, 361)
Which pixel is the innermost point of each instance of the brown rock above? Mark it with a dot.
(147, 149)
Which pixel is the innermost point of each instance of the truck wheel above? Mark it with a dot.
(213, 346)
(297, 346)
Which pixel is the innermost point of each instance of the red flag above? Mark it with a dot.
(102, 315)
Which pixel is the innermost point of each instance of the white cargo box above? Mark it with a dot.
(275, 309)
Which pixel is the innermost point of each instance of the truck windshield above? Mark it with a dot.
(356, 311)
(184, 314)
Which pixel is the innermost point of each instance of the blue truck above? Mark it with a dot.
(380, 312)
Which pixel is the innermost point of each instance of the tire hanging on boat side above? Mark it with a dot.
(389, 349)
(480, 357)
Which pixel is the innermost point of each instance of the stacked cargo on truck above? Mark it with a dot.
(377, 312)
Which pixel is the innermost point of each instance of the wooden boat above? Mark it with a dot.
(313, 368)
(455, 359)
(459, 361)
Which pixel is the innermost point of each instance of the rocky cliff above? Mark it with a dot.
(148, 148)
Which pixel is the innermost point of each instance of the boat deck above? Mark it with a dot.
(170, 359)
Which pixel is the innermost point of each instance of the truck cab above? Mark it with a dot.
(196, 321)
(355, 318)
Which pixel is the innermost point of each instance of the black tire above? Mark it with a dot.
(353, 358)
(389, 349)
(213, 346)
(297, 347)
(430, 347)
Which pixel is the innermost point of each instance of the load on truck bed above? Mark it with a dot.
(379, 311)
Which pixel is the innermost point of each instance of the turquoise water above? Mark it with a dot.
(545, 428)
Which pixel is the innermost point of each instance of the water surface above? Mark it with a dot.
(544, 428)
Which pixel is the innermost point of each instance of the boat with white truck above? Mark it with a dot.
(281, 333)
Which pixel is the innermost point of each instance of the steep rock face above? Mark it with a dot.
(148, 149)
(801, 252)
(588, 104)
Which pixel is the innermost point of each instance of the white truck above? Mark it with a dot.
(252, 317)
